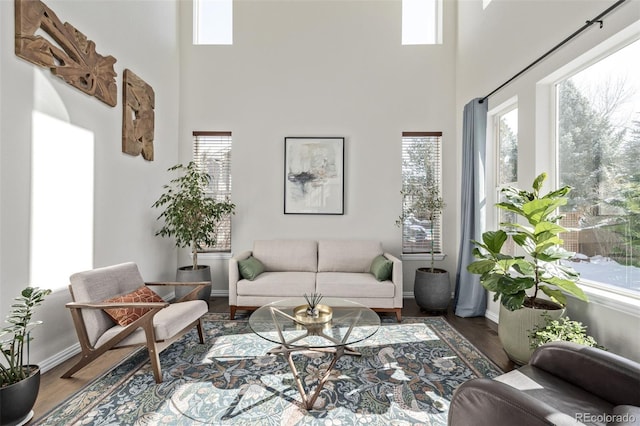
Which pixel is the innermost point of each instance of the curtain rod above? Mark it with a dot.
(597, 19)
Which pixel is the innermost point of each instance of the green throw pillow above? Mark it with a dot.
(381, 268)
(250, 268)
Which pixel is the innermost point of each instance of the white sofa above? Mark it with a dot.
(333, 268)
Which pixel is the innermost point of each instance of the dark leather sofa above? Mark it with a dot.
(563, 384)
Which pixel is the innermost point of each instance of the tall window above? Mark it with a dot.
(421, 22)
(506, 142)
(598, 154)
(212, 21)
(212, 152)
(421, 177)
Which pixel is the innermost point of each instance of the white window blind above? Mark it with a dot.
(212, 152)
(421, 167)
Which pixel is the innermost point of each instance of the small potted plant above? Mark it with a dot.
(561, 329)
(518, 280)
(19, 380)
(432, 289)
(191, 217)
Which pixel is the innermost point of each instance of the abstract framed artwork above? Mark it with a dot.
(314, 175)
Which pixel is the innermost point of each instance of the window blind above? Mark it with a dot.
(212, 153)
(421, 166)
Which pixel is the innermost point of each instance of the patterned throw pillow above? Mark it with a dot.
(125, 316)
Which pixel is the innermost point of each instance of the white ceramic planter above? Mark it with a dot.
(514, 328)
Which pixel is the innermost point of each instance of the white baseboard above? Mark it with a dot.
(59, 358)
(492, 316)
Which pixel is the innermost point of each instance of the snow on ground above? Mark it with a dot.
(607, 271)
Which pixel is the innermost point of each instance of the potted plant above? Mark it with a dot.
(191, 217)
(518, 280)
(19, 380)
(561, 329)
(432, 289)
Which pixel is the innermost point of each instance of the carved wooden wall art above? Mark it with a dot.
(137, 116)
(73, 59)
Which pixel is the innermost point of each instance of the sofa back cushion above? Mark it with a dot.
(287, 255)
(347, 255)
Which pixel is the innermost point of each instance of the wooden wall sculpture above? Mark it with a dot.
(73, 59)
(137, 116)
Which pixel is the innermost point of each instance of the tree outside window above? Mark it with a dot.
(598, 149)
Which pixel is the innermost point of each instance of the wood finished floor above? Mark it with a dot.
(53, 390)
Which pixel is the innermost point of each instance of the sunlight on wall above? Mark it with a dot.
(61, 201)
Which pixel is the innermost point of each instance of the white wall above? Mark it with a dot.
(320, 68)
(495, 44)
(142, 36)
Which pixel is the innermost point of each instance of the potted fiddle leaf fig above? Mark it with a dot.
(518, 280)
(19, 379)
(191, 217)
(432, 289)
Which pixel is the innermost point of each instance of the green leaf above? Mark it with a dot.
(524, 267)
(568, 286)
(513, 301)
(491, 282)
(560, 192)
(494, 240)
(548, 227)
(555, 295)
(538, 181)
(537, 210)
(510, 207)
(481, 266)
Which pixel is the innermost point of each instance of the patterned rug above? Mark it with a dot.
(405, 376)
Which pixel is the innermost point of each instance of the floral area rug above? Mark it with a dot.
(406, 376)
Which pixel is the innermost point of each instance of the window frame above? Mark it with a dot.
(407, 37)
(547, 155)
(225, 136)
(438, 245)
(217, 39)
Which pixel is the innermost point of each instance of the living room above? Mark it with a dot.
(295, 68)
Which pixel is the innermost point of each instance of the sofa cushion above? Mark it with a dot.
(287, 255)
(347, 255)
(381, 268)
(278, 284)
(353, 285)
(250, 268)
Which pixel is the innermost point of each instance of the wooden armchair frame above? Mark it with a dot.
(154, 346)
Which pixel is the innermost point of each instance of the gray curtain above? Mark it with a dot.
(471, 297)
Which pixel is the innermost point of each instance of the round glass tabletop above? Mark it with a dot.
(339, 323)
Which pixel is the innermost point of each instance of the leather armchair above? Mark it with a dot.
(563, 384)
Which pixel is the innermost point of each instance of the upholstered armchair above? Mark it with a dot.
(563, 384)
(112, 308)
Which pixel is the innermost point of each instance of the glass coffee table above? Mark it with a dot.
(340, 324)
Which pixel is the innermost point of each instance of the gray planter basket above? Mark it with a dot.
(188, 274)
(432, 290)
